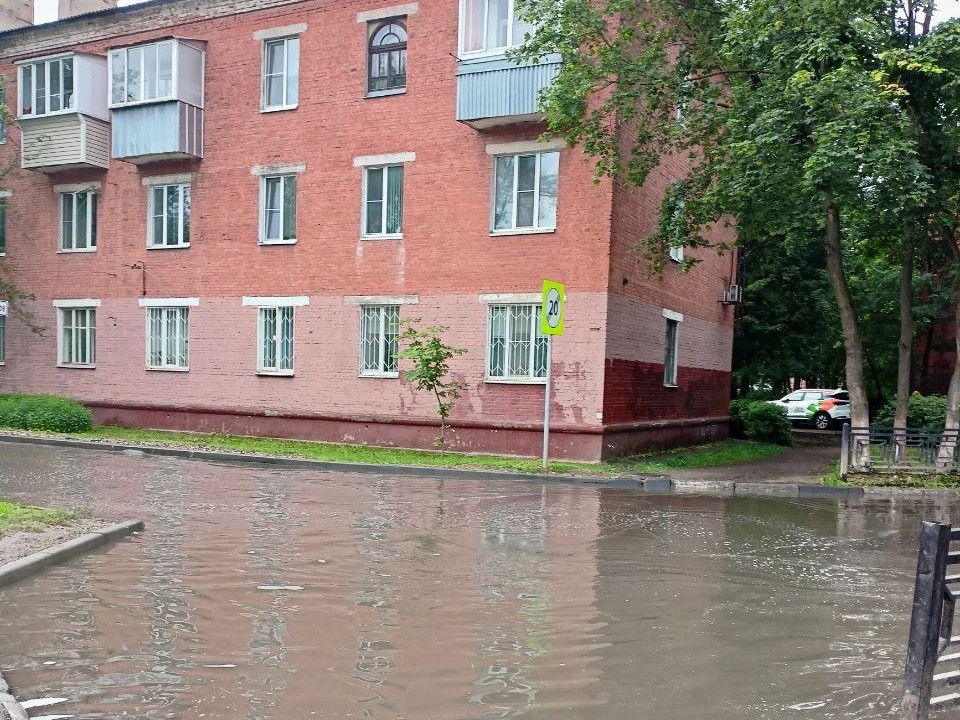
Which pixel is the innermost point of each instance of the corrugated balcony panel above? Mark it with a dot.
(169, 130)
(498, 92)
(62, 142)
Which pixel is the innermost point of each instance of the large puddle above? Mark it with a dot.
(259, 593)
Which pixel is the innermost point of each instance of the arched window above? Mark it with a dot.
(388, 56)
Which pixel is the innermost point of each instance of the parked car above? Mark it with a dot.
(823, 408)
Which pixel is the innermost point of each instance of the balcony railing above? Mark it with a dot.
(499, 92)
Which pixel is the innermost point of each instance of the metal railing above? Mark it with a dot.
(910, 450)
(931, 641)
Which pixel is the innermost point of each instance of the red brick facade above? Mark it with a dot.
(608, 367)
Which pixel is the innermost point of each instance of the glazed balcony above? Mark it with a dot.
(62, 109)
(156, 96)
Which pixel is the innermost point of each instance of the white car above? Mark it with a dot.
(821, 407)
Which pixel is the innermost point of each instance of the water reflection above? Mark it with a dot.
(258, 593)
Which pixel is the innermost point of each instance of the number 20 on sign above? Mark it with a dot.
(551, 313)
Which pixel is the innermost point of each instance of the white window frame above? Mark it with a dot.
(174, 75)
(676, 250)
(486, 51)
(285, 104)
(671, 355)
(68, 102)
(4, 196)
(382, 311)
(167, 304)
(276, 303)
(3, 339)
(3, 122)
(364, 231)
(71, 309)
(513, 229)
(91, 228)
(284, 178)
(507, 301)
(184, 191)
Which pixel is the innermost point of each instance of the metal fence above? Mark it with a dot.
(886, 450)
(932, 677)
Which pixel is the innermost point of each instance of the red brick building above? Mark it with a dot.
(225, 208)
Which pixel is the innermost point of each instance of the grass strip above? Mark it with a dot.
(727, 452)
(27, 518)
(933, 481)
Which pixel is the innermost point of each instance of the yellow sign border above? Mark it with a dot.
(545, 328)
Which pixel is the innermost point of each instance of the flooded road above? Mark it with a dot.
(262, 593)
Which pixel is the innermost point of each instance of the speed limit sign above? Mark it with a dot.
(551, 312)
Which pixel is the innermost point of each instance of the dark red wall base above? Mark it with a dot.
(584, 443)
(634, 391)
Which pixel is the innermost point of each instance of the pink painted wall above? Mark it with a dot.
(223, 346)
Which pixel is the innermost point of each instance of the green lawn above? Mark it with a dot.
(15, 517)
(726, 452)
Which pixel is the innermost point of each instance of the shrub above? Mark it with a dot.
(760, 421)
(737, 409)
(923, 411)
(43, 412)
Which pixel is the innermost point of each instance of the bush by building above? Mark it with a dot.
(760, 421)
(923, 411)
(43, 412)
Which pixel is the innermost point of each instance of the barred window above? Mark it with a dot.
(516, 349)
(379, 340)
(168, 338)
(77, 336)
(275, 346)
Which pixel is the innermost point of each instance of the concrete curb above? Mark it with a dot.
(19, 569)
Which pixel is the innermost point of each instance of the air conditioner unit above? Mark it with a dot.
(733, 295)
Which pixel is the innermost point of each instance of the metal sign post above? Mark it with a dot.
(551, 323)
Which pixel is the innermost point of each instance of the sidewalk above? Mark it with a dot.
(803, 464)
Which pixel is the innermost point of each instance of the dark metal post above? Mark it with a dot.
(923, 647)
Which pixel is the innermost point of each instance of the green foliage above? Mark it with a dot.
(923, 411)
(43, 412)
(931, 481)
(737, 426)
(27, 518)
(760, 421)
(431, 356)
(791, 110)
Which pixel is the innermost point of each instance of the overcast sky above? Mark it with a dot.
(47, 9)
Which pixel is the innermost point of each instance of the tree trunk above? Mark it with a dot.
(853, 345)
(948, 441)
(904, 349)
